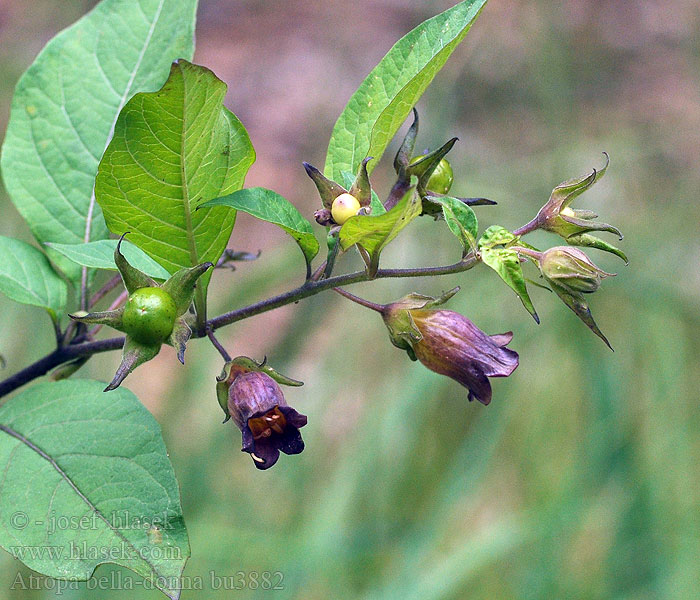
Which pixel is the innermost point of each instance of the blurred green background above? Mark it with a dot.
(581, 479)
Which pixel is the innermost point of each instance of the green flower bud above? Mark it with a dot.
(576, 225)
(571, 269)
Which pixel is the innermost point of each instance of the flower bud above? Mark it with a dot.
(571, 269)
(576, 225)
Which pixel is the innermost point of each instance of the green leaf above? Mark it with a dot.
(100, 255)
(172, 151)
(373, 233)
(382, 102)
(506, 263)
(591, 241)
(26, 276)
(269, 206)
(87, 480)
(496, 236)
(577, 303)
(66, 104)
(461, 220)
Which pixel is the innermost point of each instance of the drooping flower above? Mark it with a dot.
(252, 398)
(447, 342)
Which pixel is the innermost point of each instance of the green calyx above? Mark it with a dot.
(399, 321)
(576, 225)
(152, 315)
(240, 365)
(360, 191)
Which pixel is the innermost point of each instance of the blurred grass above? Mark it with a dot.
(581, 479)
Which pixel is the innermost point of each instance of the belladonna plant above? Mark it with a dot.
(141, 142)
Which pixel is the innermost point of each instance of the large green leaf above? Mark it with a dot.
(173, 150)
(66, 104)
(100, 255)
(87, 480)
(269, 206)
(374, 233)
(26, 276)
(382, 102)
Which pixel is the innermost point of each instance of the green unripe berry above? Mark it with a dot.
(440, 181)
(344, 207)
(149, 316)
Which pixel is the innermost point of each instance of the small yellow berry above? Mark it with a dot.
(344, 207)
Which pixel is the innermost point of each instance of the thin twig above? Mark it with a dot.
(225, 355)
(105, 289)
(361, 301)
(54, 359)
(310, 288)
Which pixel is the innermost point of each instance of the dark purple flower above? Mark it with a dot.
(268, 424)
(452, 345)
(449, 343)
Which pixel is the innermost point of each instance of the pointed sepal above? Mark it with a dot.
(133, 355)
(113, 318)
(327, 189)
(361, 187)
(403, 157)
(590, 241)
(426, 165)
(565, 192)
(181, 285)
(577, 303)
(133, 278)
(179, 337)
